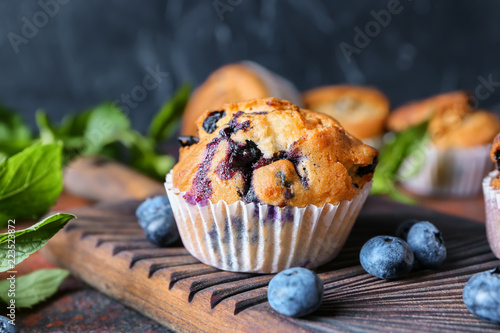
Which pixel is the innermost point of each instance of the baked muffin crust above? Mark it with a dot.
(495, 157)
(233, 83)
(417, 112)
(362, 111)
(453, 123)
(460, 126)
(271, 151)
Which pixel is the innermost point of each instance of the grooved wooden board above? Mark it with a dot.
(106, 248)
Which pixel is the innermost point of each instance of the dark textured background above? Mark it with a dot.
(92, 50)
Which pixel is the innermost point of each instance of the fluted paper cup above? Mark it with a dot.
(448, 172)
(259, 238)
(492, 206)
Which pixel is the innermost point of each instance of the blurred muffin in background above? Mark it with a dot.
(454, 158)
(362, 111)
(235, 83)
(417, 112)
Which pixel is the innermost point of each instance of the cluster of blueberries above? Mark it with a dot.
(390, 258)
(297, 291)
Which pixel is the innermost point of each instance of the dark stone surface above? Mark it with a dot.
(90, 51)
(78, 308)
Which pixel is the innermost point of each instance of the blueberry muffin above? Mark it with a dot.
(491, 191)
(270, 151)
(459, 126)
(417, 112)
(362, 111)
(454, 159)
(268, 186)
(233, 83)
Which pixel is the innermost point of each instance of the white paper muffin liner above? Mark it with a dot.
(492, 206)
(259, 238)
(449, 172)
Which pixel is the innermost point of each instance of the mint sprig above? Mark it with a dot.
(33, 288)
(392, 156)
(106, 130)
(27, 241)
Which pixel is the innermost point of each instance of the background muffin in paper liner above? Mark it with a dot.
(455, 158)
(298, 168)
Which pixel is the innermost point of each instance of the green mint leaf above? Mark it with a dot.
(12, 126)
(144, 158)
(47, 134)
(14, 134)
(164, 123)
(391, 158)
(74, 125)
(30, 182)
(33, 288)
(106, 124)
(27, 241)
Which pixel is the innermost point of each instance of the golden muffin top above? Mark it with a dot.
(271, 151)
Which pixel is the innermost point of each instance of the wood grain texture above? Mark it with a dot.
(106, 248)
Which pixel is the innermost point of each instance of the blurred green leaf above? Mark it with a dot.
(391, 157)
(164, 123)
(29, 240)
(144, 158)
(103, 130)
(12, 126)
(106, 124)
(47, 134)
(30, 182)
(74, 125)
(14, 134)
(33, 288)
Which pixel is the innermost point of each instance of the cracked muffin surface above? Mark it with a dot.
(272, 152)
(461, 126)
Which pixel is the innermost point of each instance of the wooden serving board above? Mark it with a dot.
(106, 248)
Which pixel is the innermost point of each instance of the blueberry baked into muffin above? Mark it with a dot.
(268, 186)
(455, 158)
(234, 83)
(491, 191)
(362, 111)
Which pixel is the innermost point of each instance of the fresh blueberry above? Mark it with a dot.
(386, 257)
(482, 295)
(6, 327)
(157, 219)
(295, 292)
(426, 242)
(403, 228)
